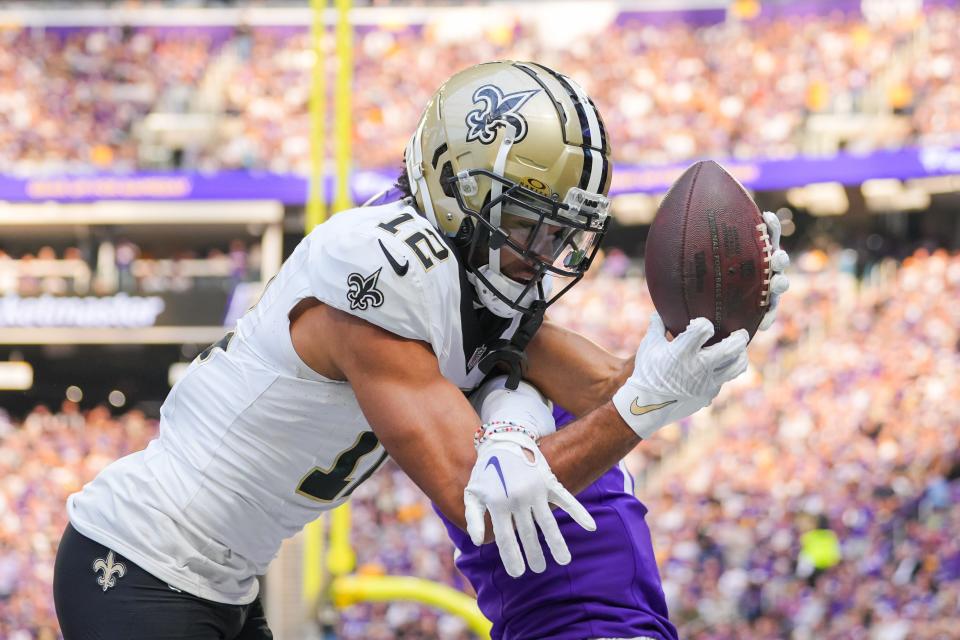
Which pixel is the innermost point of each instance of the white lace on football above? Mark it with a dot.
(767, 266)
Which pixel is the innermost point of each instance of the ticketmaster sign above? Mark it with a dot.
(195, 316)
(119, 310)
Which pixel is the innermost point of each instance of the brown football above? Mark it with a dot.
(708, 254)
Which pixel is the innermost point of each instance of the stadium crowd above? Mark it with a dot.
(845, 425)
(69, 100)
(669, 90)
(43, 458)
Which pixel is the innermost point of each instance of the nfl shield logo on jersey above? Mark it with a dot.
(477, 356)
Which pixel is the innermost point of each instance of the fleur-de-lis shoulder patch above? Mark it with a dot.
(363, 292)
(111, 571)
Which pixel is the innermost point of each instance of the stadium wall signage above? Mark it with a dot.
(122, 311)
(759, 175)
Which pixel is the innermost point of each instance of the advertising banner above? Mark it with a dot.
(759, 175)
(195, 307)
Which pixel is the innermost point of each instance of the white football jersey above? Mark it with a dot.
(253, 444)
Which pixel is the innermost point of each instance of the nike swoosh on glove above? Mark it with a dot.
(779, 261)
(516, 489)
(674, 379)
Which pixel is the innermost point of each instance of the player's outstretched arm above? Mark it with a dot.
(670, 381)
(573, 370)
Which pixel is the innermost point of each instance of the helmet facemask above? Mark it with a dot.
(527, 247)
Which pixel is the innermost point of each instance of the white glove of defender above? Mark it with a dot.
(672, 380)
(779, 261)
(517, 487)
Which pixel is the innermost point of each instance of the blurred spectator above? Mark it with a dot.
(69, 99)
(43, 459)
(669, 91)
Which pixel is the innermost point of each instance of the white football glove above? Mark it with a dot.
(779, 261)
(518, 490)
(675, 379)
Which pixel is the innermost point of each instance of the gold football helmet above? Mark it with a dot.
(511, 161)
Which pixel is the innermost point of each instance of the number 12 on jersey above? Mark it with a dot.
(422, 242)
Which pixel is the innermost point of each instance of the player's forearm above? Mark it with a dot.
(584, 450)
(572, 370)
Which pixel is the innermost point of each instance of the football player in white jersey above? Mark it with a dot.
(362, 346)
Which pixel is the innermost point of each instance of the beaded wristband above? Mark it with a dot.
(501, 426)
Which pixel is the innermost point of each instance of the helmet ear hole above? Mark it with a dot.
(464, 233)
(446, 179)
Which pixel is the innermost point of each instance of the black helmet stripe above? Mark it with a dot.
(595, 169)
(603, 145)
(594, 138)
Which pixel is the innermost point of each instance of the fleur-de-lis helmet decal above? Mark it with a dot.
(497, 109)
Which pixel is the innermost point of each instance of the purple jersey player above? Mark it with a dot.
(611, 588)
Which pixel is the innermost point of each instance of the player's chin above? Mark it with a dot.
(521, 271)
(521, 276)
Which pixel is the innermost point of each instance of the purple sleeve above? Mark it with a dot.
(611, 588)
(561, 416)
(390, 195)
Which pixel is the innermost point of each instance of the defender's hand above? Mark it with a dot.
(513, 480)
(779, 261)
(672, 380)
